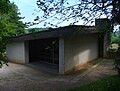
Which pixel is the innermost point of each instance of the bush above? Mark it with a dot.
(3, 59)
(117, 61)
(117, 65)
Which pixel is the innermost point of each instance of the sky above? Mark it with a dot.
(26, 8)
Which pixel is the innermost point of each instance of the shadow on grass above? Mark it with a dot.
(111, 83)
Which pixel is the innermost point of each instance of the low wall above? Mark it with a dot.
(16, 52)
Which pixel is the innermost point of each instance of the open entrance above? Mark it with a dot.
(100, 45)
(44, 52)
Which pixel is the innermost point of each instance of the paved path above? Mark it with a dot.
(24, 78)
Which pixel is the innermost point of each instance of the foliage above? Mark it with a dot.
(60, 11)
(10, 24)
(4, 6)
(117, 65)
(3, 59)
(116, 37)
(117, 60)
(111, 83)
(34, 30)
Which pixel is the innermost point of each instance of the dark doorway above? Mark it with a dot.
(44, 50)
(100, 45)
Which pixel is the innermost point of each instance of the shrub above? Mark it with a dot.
(117, 61)
(117, 65)
(3, 59)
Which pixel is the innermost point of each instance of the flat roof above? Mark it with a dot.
(57, 32)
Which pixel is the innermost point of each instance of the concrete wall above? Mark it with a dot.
(79, 50)
(61, 56)
(16, 52)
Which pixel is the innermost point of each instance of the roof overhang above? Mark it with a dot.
(57, 32)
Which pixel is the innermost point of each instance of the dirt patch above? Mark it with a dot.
(82, 68)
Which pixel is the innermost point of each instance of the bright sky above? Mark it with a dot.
(26, 8)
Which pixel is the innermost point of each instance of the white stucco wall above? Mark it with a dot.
(16, 52)
(79, 50)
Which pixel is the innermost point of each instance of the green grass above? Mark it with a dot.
(111, 83)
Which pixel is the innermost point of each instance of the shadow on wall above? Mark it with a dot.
(80, 50)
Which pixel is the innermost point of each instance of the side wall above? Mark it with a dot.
(79, 50)
(16, 52)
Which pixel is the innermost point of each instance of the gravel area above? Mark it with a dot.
(16, 77)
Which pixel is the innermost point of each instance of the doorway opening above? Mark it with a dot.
(44, 50)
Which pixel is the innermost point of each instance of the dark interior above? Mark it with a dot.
(100, 45)
(44, 50)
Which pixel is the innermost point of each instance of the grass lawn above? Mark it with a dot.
(111, 83)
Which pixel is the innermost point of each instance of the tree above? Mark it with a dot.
(4, 6)
(116, 37)
(10, 24)
(34, 30)
(86, 10)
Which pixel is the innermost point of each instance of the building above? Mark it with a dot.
(68, 47)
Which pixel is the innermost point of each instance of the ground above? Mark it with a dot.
(18, 77)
